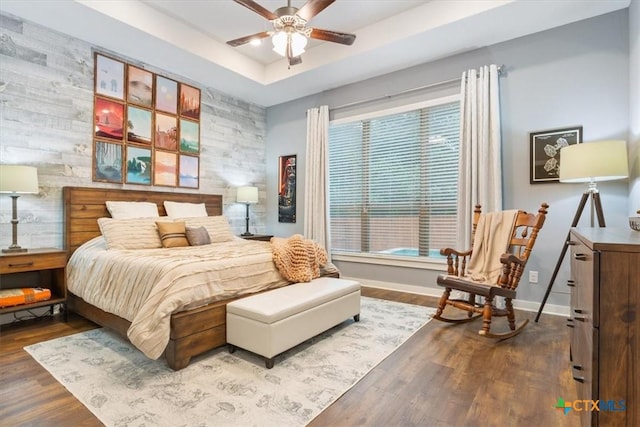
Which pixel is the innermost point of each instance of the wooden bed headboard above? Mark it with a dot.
(84, 205)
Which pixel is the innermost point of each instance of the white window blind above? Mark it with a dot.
(393, 181)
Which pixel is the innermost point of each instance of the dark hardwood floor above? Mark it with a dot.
(444, 375)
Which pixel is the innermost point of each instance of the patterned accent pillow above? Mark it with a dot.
(198, 236)
(217, 226)
(172, 234)
(134, 233)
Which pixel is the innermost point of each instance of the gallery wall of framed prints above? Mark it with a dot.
(146, 127)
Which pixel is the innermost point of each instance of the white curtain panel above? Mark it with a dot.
(480, 162)
(316, 206)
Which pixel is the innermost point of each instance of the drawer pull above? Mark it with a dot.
(571, 283)
(579, 311)
(577, 367)
(570, 323)
(579, 379)
(580, 257)
(22, 264)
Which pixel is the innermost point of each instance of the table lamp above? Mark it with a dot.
(248, 196)
(17, 180)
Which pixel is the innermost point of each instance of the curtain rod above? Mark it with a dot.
(501, 69)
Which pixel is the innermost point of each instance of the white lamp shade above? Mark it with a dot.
(594, 161)
(247, 195)
(18, 179)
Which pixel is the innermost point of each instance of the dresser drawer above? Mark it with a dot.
(32, 262)
(584, 288)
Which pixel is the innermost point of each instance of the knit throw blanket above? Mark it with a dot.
(491, 241)
(298, 259)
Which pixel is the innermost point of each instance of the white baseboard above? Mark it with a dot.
(552, 309)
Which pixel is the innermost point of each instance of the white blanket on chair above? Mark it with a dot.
(491, 240)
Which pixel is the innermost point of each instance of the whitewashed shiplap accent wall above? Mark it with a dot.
(46, 109)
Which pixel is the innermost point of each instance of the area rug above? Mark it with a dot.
(122, 387)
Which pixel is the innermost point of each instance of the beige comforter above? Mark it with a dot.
(145, 286)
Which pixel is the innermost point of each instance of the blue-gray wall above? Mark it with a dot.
(577, 74)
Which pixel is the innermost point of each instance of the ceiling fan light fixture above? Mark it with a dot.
(282, 39)
(290, 34)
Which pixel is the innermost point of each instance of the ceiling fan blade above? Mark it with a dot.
(246, 39)
(250, 4)
(295, 60)
(333, 36)
(312, 7)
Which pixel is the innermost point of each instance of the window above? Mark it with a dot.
(393, 180)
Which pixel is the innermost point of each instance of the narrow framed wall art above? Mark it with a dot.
(287, 189)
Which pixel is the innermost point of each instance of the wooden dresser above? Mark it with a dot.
(605, 322)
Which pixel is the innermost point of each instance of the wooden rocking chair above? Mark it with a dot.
(523, 236)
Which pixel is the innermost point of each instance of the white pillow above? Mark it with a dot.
(133, 233)
(126, 210)
(217, 226)
(185, 210)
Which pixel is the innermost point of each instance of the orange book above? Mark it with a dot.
(19, 296)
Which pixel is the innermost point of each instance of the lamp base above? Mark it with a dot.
(13, 250)
(247, 234)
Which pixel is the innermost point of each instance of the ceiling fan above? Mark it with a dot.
(290, 33)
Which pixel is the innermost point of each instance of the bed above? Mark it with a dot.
(192, 331)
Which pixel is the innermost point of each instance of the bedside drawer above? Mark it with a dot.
(17, 263)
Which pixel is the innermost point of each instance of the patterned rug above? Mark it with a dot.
(122, 387)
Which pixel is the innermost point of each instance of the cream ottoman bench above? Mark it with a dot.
(272, 322)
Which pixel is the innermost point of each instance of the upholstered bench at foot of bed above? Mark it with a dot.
(272, 322)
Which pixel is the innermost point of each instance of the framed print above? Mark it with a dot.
(287, 189)
(138, 165)
(189, 171)
(139, 86)
(165, 168)
(189, 136)
(138, 125)
(166, 95)
(189, 102)
(545, 152)
(107, 162)
(109, 77)
(109, 119)
(166, 133)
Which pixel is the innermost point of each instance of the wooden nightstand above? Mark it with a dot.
(36, 268)
(261, 237)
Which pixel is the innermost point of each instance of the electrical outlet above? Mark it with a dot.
(533, 277)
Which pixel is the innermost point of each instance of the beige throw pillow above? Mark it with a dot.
(127, 210)
(185, 210)
(134, 233)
